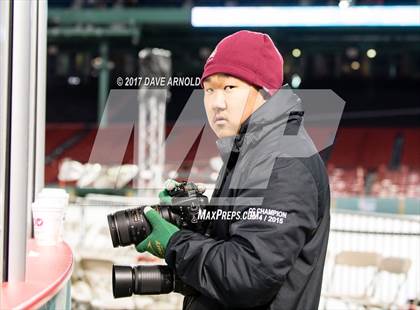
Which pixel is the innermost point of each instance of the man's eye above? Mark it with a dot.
(229, 87)
(209, 90)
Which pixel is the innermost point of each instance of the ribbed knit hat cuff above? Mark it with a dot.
(236, 71)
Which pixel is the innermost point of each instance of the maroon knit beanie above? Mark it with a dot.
(249, 56)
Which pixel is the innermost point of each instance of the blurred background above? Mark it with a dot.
(374, 164)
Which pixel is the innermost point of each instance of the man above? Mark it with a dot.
(272, 255)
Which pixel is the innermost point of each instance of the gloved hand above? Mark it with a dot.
(157, 241)
(164, 195)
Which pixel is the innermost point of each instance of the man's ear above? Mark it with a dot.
(250, 104)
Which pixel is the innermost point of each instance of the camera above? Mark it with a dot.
(146, 280)
(131, 227)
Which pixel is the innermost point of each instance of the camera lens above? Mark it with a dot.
(141, 280)
(128, 227)
(113, 230)
(131, 226)
(122, 281)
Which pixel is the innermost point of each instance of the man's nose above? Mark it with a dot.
(219, 101)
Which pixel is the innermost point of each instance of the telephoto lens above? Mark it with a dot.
(141, 280)
(131, 226)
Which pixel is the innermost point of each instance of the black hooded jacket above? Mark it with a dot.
(274, 260)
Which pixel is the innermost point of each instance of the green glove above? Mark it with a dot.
(157, 241)
(164, 196)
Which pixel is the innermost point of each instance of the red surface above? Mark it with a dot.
(372, 147)
(411, 151)
(46, 274)
(57, 134)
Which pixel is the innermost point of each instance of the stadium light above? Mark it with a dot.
(296, 80)
(310, 16)
(355, 65)
(371, 53)
(296, 52)
(344, 4)
(73, 80)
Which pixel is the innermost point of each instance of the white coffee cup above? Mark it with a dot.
(48, 216)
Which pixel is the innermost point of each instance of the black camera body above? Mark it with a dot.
(130, 226)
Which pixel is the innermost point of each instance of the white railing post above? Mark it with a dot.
(19, 142)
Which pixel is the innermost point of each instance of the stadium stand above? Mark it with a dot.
(56, 134)
(360, 161)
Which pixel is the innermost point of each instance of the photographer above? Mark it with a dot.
(275, 259)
